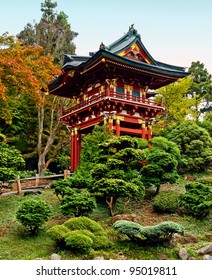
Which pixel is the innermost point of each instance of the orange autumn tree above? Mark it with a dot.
(24, 70)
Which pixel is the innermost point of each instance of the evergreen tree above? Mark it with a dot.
(201, 89)
(53, 32)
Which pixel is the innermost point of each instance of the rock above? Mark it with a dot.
(205, 250)
(55, 257)
(183, 254)
(207, 257)
(127, 217)
(100, 258)
(184, 239)
(191, 258)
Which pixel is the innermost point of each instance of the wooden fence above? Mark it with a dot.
(20, 184)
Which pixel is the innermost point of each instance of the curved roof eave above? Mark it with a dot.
(102, 53)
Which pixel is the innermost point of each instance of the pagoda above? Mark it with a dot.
(113, 86)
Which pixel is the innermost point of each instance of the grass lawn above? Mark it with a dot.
(17, 244)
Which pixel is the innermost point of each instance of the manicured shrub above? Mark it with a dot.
(79, 223)
(78, 241)
(58, 233)
(166, 202)
(149, 234)
(196, 201)
(33, 214)
(78, 203)
(207, 180)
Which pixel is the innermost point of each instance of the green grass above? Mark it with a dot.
(17, 244)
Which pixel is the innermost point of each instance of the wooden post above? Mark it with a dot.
(66, 173)
(37, 180)
(19, 189)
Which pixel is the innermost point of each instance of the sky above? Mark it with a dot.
(176, 32)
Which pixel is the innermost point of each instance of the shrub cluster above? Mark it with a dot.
(149, 234)
(79, 234)
(196, 201)
(166, 202)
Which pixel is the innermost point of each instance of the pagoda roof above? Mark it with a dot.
(128, 53)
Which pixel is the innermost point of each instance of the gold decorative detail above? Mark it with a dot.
(102, 88)
(112, 82)
(128, 87)
(103, 59)
(71, 73)
(75, 131)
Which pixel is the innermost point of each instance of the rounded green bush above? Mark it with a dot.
(58, 232)
(84, 223)
(33, 214)
(166, 202)
(77, 241)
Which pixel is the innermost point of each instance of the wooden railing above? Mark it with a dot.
(113, 95)
(18, 185)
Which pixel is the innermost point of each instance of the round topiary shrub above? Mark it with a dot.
(33, 214)
(58, 233)
(78, 241)
(79, 223)
(166, 202)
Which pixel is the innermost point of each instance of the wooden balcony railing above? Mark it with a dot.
(122, 97)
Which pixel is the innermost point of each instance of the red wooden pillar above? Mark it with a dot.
(149, 132)
(75, 148)
(117, 127)
(72, 151)
(143, 128)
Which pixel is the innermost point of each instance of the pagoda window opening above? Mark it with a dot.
(136, 95)
(120, 92)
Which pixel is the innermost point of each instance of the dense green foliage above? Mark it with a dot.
(148, 234)
(78, 203)
(197, 200)
(10, 162)
(84, 223)
(166, 202)
(161, 161)
(77, 241)
(33, 214)
(79, 234)
(195, 146)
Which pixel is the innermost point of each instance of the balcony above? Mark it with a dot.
(117, 97)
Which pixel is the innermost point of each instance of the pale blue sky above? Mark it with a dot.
(174, 31)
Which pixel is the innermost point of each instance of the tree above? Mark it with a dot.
(24, 69)
(177, 104)
(53, 32)
(195, 145)
(201, 89)
(113, 174)
(160, 163)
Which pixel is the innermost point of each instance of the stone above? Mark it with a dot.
(183, 254)
(55, 257)
(127, 217)
(204, 250)
(100, 258)
(207, 257)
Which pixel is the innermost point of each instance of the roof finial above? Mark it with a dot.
(102, 46)
(131, 27)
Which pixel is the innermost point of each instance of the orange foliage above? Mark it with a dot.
(24, 68)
